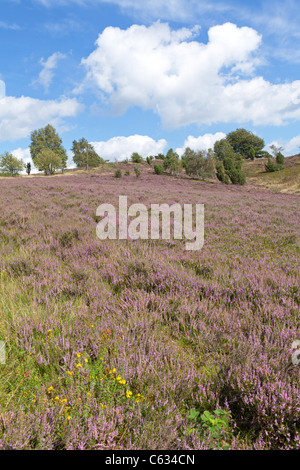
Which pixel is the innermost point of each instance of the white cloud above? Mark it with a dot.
(20, 116)
(119, 148)
(182, 10)
(290, 147)
(203, 142)
(12, 26)
(186, 81)
(24, 154)
(2, 89)
(46, 75)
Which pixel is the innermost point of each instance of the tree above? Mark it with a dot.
(242, 141)
(199, 164)
(28, 168)
(280, 160)
(172, 163)
(233, 168)
(231, 163)
(47, 138)
(223, 149)
(47, 161)
(221, 173)
(136, 158)
(279, 157)
(10, 164)
(85, 154)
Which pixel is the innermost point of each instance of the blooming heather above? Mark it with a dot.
(209, 329)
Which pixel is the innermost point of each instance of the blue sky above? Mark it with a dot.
(132, 75)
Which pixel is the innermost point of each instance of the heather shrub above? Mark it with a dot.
(118, 173)
(66, 239)
(206, 330)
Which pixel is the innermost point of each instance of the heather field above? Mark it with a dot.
(142, 344)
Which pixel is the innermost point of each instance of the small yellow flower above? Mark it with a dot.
(128, 393)
(78, 354)
(91, 326)
(79, 365)
(69, 417)
(69, 372)
(112, 371)
(139, 398)
(119, 378)
(122, 382)
(89, 394)
(86, 360)
(56, 398)
(50, 389)
(50, 330)
(64, 400)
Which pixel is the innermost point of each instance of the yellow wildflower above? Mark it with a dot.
(78, 354)
(79, 365)
(50, 389)
(139, 398)
(128, 393)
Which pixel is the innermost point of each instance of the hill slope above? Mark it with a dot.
(284, 181)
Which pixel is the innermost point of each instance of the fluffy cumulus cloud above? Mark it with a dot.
(203, 142)
(47, 73)
(186, 81)
(119, 148)
(20, 116)
(23, 154)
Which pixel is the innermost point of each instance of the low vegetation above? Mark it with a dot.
(143, 345)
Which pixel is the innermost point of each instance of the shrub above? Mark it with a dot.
(136, 158)
(198, 164)
(270, 166)
(118, 173)
(158, 169)
(137, 172)
(127, 173)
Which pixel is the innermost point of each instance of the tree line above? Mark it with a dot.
(223, 161)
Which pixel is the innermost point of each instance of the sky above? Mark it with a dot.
(146, 76)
